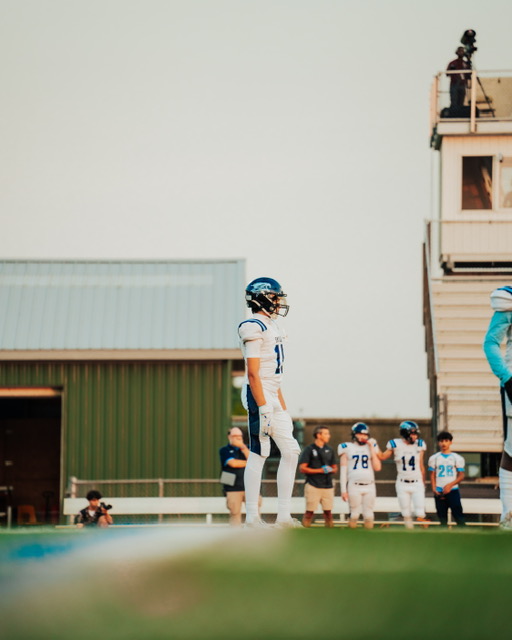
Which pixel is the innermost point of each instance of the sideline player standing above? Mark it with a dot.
(446, 471)
(358, 461)
(499, 327)
(261, 342)
(408, 453)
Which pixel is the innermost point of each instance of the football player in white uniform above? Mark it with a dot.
(408, 452)
(261, 342)
(358, 461)
(500, 330)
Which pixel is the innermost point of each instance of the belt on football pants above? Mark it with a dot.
(402, 480)
(363, 484)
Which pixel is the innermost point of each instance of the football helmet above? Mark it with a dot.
(407, 428)
(360, 428)
(266, 294)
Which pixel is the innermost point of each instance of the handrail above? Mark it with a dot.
(489, 83)
(429, 322)
(75, 483)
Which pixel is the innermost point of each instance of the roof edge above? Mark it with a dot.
(120, 354)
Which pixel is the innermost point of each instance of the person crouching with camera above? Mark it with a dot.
(96, 514)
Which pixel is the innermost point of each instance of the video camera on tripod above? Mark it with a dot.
(468, 40)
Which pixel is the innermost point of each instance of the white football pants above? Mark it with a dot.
(281, 431)
(361, 498)
(411, 498)
(507, 416)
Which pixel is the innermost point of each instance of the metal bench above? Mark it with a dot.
(212, 506)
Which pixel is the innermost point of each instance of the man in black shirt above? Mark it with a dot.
(318, 463)
(233, 458)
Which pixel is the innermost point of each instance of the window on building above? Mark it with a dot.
(477, 182)
(506, 183)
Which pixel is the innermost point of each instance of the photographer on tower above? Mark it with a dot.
(458, 81)
(96, 514)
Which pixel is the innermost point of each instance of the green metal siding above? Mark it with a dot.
(136, 419)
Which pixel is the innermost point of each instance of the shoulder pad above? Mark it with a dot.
(251, 329)
(501, 299)
(392, 444)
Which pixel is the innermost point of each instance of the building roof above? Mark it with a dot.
(120, 305)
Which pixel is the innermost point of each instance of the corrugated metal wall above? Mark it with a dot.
(136, 419)
(120, 305)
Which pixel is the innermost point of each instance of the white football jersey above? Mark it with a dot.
(261, 337)
(446, 466)
(359, 461)
(407, 458)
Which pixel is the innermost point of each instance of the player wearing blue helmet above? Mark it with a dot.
(408, 452)
(262, 344)
(358, 461)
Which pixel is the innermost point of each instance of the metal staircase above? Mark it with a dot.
(465, 388)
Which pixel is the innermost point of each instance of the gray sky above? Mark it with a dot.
(291, 133)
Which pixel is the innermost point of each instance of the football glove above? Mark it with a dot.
(327, 468)
(266, 413)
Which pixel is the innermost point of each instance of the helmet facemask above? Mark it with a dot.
(266, 295)
(276, 308)
(407, 429)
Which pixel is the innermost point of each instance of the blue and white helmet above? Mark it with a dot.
(266, 294)
(408, 427)
(360, 428)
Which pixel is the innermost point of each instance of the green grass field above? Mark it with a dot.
(313, 583)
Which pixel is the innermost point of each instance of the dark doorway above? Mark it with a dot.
(30, 437)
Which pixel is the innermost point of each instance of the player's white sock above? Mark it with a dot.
(285, 482)
(505, 492)
(252, 481)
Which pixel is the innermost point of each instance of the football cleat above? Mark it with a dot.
(257, 524)
(292, 523)
(423, 522)
(506, 523)
(266, 294)
(407, 429)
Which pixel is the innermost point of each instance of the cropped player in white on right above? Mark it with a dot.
(408, 453)
(358, 461)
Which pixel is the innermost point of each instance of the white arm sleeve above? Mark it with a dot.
(343, 478)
